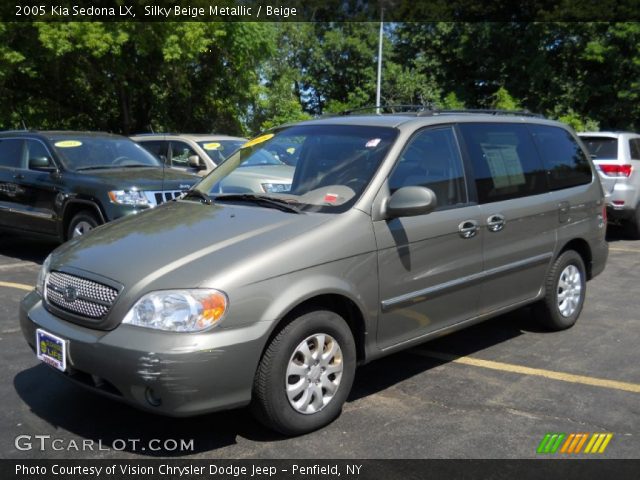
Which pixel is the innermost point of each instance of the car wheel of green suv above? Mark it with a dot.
(81, 224)
(565, 292)
(305, 374)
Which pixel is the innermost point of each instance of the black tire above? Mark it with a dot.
(270, 404)
(85, 220)
(633, 227)
(548, 311)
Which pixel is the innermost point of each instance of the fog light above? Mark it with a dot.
(152, 398)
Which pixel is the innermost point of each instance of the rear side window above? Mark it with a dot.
(11, 153)
(566, 163)
(604, 148)
(505, 161)
(634, 148)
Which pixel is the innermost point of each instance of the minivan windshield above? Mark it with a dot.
(604, 148)
(79, 152)
(334, 165)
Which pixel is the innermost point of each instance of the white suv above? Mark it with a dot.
(617, 159)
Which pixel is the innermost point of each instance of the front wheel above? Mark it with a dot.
(305, 374)
(565, 286)
(81, 224)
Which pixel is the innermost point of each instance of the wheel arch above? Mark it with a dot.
(73, 207)
(581, 246)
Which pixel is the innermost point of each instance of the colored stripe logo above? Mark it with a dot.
(574, 442)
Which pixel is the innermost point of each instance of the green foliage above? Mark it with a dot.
(241, 78)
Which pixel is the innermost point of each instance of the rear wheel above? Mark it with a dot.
(305, 374)
(565, 291)
(82, 223)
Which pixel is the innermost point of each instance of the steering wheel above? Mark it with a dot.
(355, 184)
(122, 160)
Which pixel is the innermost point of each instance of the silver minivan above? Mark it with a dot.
(396, 229)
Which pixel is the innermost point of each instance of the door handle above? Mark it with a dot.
(468, 228)
(18, 176)
(495, 222)
(564, 207)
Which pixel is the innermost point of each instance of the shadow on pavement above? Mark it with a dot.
(25, 249)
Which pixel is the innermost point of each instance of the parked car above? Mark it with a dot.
(193, 153)
(617, 159)
(63, 184)
(396, 229)
(202, 153)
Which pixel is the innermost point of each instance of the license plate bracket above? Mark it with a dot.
(51, 349)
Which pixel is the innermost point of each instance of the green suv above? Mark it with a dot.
(63, 184)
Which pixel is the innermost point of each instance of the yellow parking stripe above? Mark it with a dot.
(19, 286)
(537, 372)
(605, 443)
(620, 249)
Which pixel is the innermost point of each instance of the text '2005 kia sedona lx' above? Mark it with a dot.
(395, 229)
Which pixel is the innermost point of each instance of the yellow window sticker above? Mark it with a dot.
(291, 150)
(212, 146)
(257, 140)
(68, 143)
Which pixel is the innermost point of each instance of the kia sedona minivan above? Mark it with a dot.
(396, 229)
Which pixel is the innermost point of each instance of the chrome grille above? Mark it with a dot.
(157, 197)
(78, 295)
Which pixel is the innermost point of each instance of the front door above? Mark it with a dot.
(428, 264)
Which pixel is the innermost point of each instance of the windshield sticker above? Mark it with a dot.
(291, 150)
(257, 140)
(68, 143)
(212, 146)
(373, 143)
(331, 197)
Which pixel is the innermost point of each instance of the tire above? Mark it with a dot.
(277, 403)
(81, 223)
(633, 227)
(566, 276)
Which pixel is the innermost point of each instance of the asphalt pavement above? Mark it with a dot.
(491, 391)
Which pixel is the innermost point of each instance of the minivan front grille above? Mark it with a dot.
(156, 198)
(78, 295)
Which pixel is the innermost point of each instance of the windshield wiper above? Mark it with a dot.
(95, 167)
(261, 200)
(206, 199)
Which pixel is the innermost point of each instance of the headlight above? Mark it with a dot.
(276, 187)
(179, 310)
(42, 275)
(128, 197)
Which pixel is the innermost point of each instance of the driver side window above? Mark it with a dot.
(432, 159)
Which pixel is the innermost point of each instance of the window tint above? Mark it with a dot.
(505, 162)
(634, 148)
(180, 153)
(566, 163)
(157, 147)
(37, 149)
(11, 153)
(604, 148)
(432, 159)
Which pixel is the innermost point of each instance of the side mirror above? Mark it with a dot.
(411, 201)
(194, 161)
(41, 163)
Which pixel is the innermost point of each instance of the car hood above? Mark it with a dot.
(182, 244)
(142, 178)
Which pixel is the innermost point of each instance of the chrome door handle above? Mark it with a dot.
(18, 176)
(468, 228)
(495, 223)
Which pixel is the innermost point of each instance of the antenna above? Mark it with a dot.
(24, 126)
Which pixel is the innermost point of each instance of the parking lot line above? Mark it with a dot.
(10, 266)
(537, 372)
(19, 286)
(620, 249)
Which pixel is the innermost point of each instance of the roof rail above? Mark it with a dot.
(517, 113)
(404, 108)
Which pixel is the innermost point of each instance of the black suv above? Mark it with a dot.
(63, 184)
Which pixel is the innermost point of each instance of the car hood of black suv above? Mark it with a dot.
(143, 178)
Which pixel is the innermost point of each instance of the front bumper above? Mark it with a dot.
(163, 372)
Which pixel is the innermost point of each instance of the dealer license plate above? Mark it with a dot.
(51, 349)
